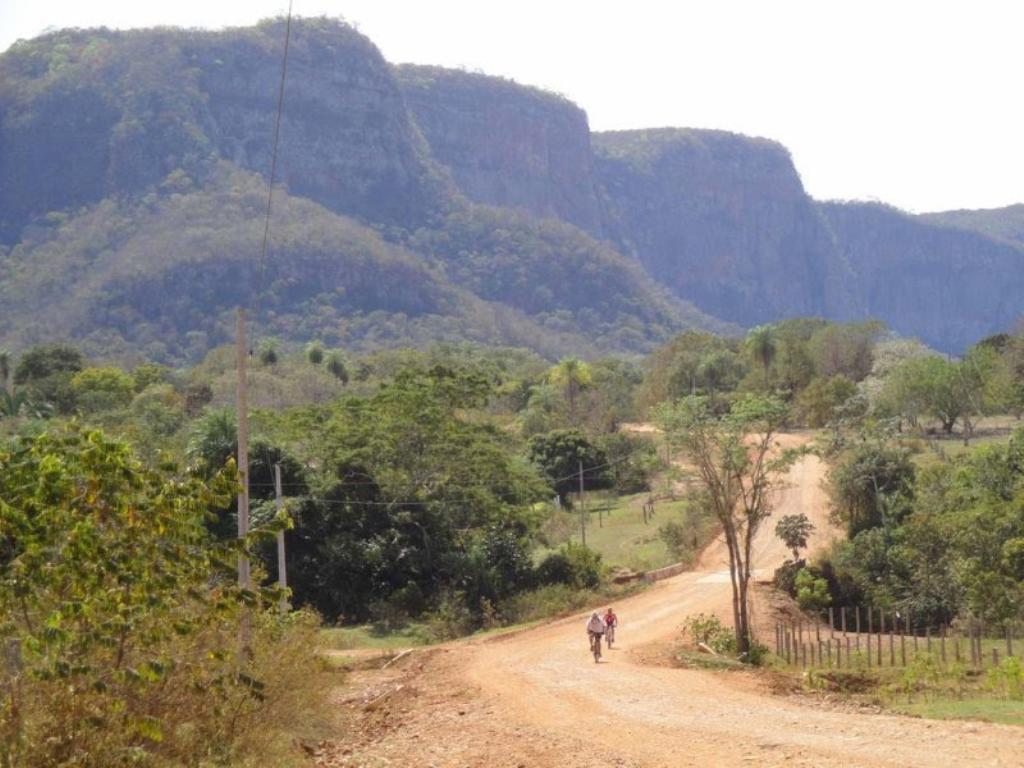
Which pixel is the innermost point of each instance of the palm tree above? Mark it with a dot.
(762, 345)
(336, 367)
(573, 376)
(315, 352)
(18, 404)
(213, 440)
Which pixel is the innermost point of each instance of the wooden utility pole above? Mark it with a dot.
(244, 580)
(282, 573)
(583, 520)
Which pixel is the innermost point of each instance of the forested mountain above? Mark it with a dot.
(723, 220)
(1001, 223)
(948, 287)
(418, 203)
(131, 215)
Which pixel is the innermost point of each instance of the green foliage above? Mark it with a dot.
(794, 530)
(710, 631)
(336, 367)
(126, 625)
(416, 503)
(821, 400)
(102, 389)
(952, 551)
(1008, 678)
(561, 454)
(574, 565)
(45, 372)
(812, 592)
(872, 485)
(148, 375)
(315, 353)
(633, 460)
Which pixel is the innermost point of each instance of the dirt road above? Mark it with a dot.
(538, 699)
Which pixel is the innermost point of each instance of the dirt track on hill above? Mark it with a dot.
(536, 698)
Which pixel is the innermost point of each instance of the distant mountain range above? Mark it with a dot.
(420, 204)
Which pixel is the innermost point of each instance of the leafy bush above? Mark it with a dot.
(126, 616)
(676, 538)
(812, 591)
(1008, 678)
(785, 576)
(710, 631)
(574, 565)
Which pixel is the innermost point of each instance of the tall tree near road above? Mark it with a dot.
(762, 345)
(739, 467)
(572, 375)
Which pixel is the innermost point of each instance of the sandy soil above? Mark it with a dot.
(536, 698)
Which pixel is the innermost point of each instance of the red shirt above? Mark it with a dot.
(610, 619)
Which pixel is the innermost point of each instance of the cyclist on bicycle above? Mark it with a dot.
(595, 629)
(611, 621)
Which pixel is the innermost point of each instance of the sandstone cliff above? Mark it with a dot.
(507, 144)
(723, 220)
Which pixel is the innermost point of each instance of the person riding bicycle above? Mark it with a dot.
(611, 621)
(595, 629)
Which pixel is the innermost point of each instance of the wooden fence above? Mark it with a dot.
(863, 638)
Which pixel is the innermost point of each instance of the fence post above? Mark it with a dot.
(857, 620)
(881, 631)
(903, 643)
(928, 639)
(892, 640)
(803, 654)
(778, 636)
(942, 644)
(849, 659)
(842, 618)
(831, 623)
(1009, 640)
(995, 656)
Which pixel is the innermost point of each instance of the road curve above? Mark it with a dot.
(545, 679)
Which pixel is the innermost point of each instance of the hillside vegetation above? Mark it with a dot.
(523, 226)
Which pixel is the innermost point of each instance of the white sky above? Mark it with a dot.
(919, 103)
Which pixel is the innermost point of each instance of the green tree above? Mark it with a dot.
(268, 352)
(109, 587)
(738, 468)
(762, 346)
(336, 367)
(573, 376)
(315, 353)
(794, 530)
(102, 389)
(871, 486)
(46, 373)
(822, 398)
(561, 453)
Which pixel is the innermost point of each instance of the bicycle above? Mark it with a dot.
(609, 635)
(595, 645)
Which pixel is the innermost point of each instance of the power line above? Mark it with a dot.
(273, 176)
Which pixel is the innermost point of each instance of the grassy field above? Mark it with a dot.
(375, 637)
(989, 710)
(623, 538)
(990, 430)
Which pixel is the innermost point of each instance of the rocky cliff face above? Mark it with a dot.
(723, 221)
(347, 140)
(948, 287)
(507, 144)
(87, 114)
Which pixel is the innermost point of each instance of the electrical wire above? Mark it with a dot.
(261, 269)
